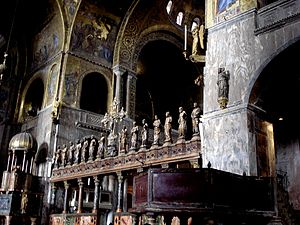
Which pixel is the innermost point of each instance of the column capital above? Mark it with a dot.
(53, 185)
(66, 184)
(80, 181)
(119, 175)
(119, 70)
(96, 179)
(132, 75)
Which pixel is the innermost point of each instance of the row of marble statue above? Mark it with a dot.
(90, 148)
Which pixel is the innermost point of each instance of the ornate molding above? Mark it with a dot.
(133, 160)
(276, 15)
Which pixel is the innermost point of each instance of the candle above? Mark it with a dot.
(185, 37)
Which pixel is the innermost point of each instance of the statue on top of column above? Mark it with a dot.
(145, 133)
(223, 87)
(182, 126)
(156, 130)
(168, 128)
(134, 136)
(195, 115)
(198, 39)
(123, 140)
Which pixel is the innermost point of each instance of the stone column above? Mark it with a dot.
(125, 186)
(66, 197)
(130, 95)
(105, 183)
(96, 194)
(8, 160)
(24, 158)
(80, 195)
(7, 220)
(119, 71)
(53, 197)
(31, 164)
(151, 218)
(120, 181)
(33, 220)
(13, 160)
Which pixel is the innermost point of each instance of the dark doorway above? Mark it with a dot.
(94, 93)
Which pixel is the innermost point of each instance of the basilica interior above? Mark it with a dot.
(139, 112)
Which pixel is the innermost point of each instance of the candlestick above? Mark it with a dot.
(185, 37)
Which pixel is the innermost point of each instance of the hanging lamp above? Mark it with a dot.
(3, 65)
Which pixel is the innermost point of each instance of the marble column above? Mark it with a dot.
(131, 95)
(53, 197)
(119, 71)
(120, 181)
(96, 194)
(8, 160)
(80, 195)
(7, 220)
(23, 163)
(151, 218)
(13, 161)
(66, 197)
(125, 187)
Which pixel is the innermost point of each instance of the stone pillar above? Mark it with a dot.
(131, 95)
(96, 194)
(80, 195)
(53, 197)
(118, 71)
(120, 181)
(33, 220)
(151, 218)
(7, 220)
(66, 197)
(31, 164)
(105, 183)
(23, 163)
(125, 186)
(8, 160)
(13, 160)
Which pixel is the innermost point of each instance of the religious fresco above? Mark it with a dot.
(94, 34)
(45, 45)
(52, 82)
(70, 7)
(71, 82)
(223, 4)
(221, 10)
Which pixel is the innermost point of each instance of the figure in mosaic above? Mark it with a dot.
(182, 126)
(134, 136)
(145, 133)
(156, 130)
(168, 127)
(195, 115)
(92, 148)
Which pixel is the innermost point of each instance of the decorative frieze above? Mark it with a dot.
(133, 160)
